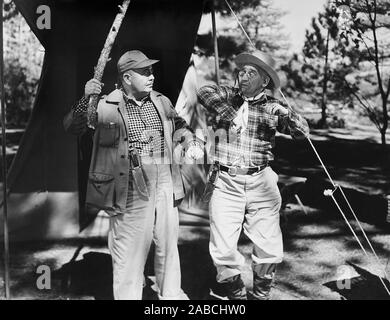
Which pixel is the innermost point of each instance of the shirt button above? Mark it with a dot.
(122, 156)
(125, 139)
(121, 174)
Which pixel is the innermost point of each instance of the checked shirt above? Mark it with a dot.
(253, 146)
(143, 123)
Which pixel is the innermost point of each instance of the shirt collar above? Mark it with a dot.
(261, 96)
(133, 100)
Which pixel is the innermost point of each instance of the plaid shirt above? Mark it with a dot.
(144, 126)
(143, 122)
(253, 146)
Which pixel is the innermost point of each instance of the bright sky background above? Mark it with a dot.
(299, 18)
(296, 21)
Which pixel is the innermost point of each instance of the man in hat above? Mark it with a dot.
(245, 193)
(133, 175)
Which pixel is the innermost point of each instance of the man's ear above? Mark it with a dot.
(267, 80)
(126, 78)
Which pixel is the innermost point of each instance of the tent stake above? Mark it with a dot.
(4, 162)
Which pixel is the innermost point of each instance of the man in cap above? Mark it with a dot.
(245, 193)
(133, 175)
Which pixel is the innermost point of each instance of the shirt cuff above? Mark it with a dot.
(82, 105)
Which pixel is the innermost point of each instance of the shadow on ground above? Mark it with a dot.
(92, 274)
(317, 242)
(366, 286)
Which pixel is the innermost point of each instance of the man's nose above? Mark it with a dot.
(246, 80)
(245, 75)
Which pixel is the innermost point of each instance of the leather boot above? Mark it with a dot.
(263, 278)
(230, 289)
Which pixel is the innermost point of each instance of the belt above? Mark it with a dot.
(233, 171)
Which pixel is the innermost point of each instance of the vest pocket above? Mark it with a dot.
(109, 134)
(100, 191)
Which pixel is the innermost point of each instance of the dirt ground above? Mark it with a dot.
(322, 259)
(322, 262)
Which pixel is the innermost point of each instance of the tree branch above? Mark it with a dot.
(369, 10)
(366, 106)
(388, 89)
(372, 57)
(104, 56)
(371, 114)
(376, 51)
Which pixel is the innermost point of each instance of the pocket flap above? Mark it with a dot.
(100, 177)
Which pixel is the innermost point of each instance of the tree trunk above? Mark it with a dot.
(385, 151)
(322, 122)
(383, 138)
(385, 121)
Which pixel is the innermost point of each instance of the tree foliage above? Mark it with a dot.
(261, 21)
(318, 62)
(9, 10)
(358, 70)
(23, 57)
(365, 41)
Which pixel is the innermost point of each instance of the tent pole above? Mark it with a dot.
(215, 38)
(4, 161)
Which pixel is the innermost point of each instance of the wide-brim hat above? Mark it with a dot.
(134, 59)
(262, 61)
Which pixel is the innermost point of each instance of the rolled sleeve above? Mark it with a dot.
(217, 99)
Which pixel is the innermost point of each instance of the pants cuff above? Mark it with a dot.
(226, 274)
(180, 296)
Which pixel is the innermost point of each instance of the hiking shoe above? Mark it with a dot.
(231, 289)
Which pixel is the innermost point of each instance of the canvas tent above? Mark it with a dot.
(47, 177)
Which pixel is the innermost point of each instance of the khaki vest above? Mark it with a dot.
(108, 178)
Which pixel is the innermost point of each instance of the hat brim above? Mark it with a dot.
(144, 64)
(245, 58)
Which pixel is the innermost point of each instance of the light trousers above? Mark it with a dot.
(132, 232)
(251, 202)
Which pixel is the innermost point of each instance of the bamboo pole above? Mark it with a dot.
(4, 163)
